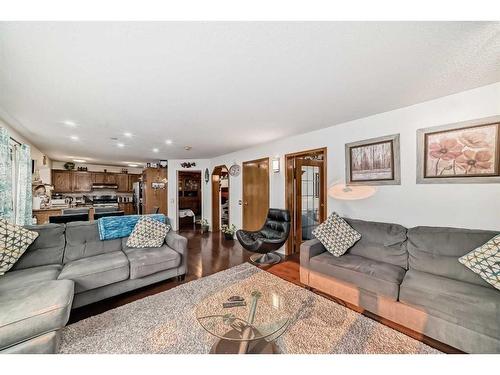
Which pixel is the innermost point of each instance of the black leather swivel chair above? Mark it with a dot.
(269, 238)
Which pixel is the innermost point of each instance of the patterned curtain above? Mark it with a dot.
(6, 204)
(23, 200)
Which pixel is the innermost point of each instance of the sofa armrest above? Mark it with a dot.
(178, 243)
(308, 249)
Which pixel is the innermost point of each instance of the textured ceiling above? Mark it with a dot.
(223, 86)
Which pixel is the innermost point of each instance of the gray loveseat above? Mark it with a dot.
(67, 267)
(412, 277)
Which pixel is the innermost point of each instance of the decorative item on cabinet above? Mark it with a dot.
(187, 164)
(163, 163)
(69, 166)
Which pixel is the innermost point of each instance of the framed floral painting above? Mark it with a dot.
(467, 152)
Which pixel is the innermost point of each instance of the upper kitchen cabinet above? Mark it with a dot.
(98, 177)
(104, 178)
(132, 179)
(122, 182)
(62, 181)
(82, 182)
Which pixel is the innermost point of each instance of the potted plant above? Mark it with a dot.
(204, 225)
(228, 231)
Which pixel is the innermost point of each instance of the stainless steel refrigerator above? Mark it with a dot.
(137, 197)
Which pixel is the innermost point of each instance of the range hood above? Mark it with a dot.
(105, 186)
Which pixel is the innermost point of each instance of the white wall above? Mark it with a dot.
(173, 167)
(36, 154)
(457, 205)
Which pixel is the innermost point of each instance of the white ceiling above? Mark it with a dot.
(222, 86)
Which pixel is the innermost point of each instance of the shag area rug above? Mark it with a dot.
(166, 322)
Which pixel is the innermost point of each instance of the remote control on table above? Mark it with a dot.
(234, 304)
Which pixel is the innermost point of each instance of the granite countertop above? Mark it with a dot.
(62, 208)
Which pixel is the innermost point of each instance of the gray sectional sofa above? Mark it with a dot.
(67, 267)
(412, 277)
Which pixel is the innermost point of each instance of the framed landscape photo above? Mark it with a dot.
(466, 152)
(373, 161)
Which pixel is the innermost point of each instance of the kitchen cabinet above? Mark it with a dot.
(132, 178)
(82, 182)
(62, 181)
(104, 177)
(127, 208)
(98, 177)
(42, 215)
(122, 182)
(110, 178)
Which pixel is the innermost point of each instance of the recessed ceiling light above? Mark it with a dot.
(79, 161)
(121, 145)
(187, 148)
(155, 150)
(74, 138)
(127, 134)
(168, 141)
(133, 165)
(69, 123)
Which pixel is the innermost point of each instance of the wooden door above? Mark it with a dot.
(215, 202)
(122, 182)
(62, 181)
(255, 193)
(309, 199)
(82, 182)
(297, 197)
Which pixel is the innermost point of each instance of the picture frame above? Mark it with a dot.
(463, 152)
(374, 161)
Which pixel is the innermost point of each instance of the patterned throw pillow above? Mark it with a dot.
(148, 233)
(14, 240)
(485, 261)
(336, 235)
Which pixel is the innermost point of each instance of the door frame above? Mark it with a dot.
(216, 203)
(243, 185)
(289, 189)
(177, 192)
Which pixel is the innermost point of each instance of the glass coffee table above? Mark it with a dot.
(244, 329)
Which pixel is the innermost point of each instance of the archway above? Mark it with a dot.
(220, 197)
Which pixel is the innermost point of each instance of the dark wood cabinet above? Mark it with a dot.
(82, 182)
(122, 182)
(98, 177)
(62, 181)
(127, 208)
(110, 178)
(132, 178)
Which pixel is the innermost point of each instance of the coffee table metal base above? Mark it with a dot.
(261, 346)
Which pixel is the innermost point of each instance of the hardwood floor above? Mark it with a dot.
(210, 253)
(207, 254)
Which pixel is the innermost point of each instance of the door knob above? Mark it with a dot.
(245, 203)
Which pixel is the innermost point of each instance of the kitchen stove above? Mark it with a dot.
(105, 201)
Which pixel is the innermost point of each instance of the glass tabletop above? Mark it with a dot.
(263, 317)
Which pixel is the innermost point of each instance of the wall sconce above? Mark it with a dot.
(276, 165)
